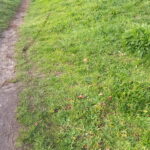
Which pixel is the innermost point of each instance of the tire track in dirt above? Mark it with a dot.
(9, 91)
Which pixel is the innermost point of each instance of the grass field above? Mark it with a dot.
(7, 10)
(86, 75)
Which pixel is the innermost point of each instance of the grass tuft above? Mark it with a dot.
(137, 40)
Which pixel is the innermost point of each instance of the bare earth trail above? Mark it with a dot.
(9, 91)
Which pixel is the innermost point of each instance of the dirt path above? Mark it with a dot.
(8, 91)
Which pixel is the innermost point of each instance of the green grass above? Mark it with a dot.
(86, 77)
(7, 10)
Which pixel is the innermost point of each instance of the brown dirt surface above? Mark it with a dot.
(9, 91)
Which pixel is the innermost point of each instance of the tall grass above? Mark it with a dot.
(86, 76)
(7, 10)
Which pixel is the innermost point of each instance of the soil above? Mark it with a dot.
(9, 91)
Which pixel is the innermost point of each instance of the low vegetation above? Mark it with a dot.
(85, 69)
(7, 10)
